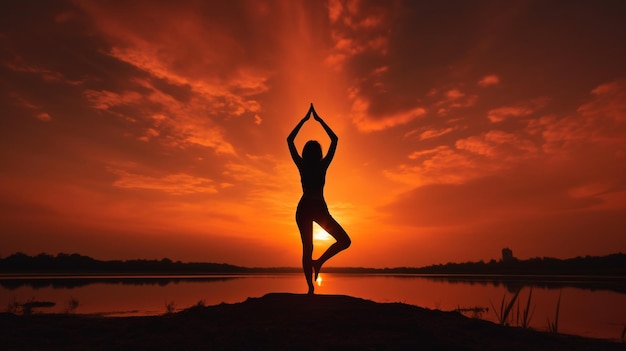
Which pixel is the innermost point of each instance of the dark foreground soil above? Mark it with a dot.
(283, 322)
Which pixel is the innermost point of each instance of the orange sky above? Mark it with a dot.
(148, 129)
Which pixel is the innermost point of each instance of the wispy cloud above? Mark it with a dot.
(441, 165)
(219, 85)
(361, 38)
(43, 116)
(502, 113)
(107, 100)
(38, 111)
(356, 29)
(18, 64)
(172, 122)
(174, 184)
(367, 123)
(496, 143)
(451, 99)
(434, 133)
(600, 121)
(608, 102)
(489, 80)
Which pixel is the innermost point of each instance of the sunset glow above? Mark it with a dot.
(320, 235)
(150, 129)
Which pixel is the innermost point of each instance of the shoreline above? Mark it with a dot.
(284, 321)
(590, 282)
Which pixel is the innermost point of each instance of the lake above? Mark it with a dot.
(588, 306)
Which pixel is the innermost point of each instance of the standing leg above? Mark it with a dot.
(305, 226)
(330, 225)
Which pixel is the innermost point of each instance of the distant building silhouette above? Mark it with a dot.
(507, 255)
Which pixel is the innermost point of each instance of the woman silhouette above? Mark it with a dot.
(312, 207)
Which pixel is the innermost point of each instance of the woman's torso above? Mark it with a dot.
(313, 178)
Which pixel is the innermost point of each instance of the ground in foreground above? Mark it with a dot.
(281, 321)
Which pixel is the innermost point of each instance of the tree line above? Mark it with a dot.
(20, 263)
(77, 264)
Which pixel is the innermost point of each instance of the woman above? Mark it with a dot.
(312, 207)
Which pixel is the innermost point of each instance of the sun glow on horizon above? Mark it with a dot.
(320, 234)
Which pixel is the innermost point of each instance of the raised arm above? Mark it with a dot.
(333, 137)
(292, 136)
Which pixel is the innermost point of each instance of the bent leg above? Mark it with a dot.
(330, 225)
(306, 234)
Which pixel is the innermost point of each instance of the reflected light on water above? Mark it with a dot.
(595, 310)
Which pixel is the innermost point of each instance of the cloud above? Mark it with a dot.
(498, 144)
(417, 154)
(555, 167)
(194, 70)
(150, 134)
(106, 100)
(233, 92)
(199, 54)
(608, 102)
(502, 113)
(360, 48)
(598, 127)
(335, 8)
(171, 122)
(451, 99)
(489, 80)
(431, 132)
(173, 184)
(356, 30)
(454, 94)
(43, 116)
(366, 123)
(599, 123)
(440, 165)
(472, 157)
(20, 100)
(434, 133)
(18, 64)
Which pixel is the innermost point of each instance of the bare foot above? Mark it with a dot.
(311, 290)
(316, 268)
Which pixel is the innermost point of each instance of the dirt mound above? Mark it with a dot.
(281, 321)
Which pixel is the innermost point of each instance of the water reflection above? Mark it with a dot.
(515, 283)
(511, 283)
(589, 306)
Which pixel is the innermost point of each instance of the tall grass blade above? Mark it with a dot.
(517, 314)
(503, 316)
(495, 310)
(528, 315)
(556, 318)
(554, 327)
